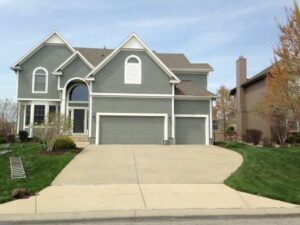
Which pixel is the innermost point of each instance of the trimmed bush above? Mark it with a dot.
(293, 138)
(23, 135)
(63, 143)
(253, 136)
(230, 129)
(2, 140)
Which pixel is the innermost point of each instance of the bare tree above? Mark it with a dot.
(8, 116)
(55, 125)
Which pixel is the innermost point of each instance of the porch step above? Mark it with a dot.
(80, 138)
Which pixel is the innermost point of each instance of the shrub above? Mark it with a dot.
(63, 143)
(253, 136)
(231, 144)
(11, 138)
(2, 140)
(23, 135)
(229, 129)
(293, 138)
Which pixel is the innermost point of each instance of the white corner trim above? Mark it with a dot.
(198, 116)
(39, 45)
(99, 114)
(210, 120)
(131, 95)
(46, 81)
(118, 49)
(173, 112)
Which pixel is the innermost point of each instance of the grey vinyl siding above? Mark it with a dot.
(49, 57)
(192, 107)
(200, 79)
(131, 130)
(77, 68)
(110, 78)
(190, 130)
(130, 105)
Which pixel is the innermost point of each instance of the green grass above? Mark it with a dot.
(40, 169)
(269, 172)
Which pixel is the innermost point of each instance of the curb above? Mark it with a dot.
(149, 215)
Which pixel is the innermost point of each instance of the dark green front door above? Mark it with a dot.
(78, 120)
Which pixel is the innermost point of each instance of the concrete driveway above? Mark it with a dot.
(150, 164)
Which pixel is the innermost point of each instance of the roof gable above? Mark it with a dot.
(71, 59)
(134, 42)
(53, 38)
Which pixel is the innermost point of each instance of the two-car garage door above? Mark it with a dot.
(130, 129)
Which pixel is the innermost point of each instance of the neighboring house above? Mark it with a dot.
(127, 95)
(247, 95)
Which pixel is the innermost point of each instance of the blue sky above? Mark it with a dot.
(214, 31)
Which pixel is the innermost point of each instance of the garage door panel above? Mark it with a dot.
(190, 130)
(131, 130)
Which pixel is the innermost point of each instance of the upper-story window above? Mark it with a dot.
(79, 92)
(40, 80)
(133, 70)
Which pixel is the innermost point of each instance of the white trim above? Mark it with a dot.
(173, 112)
(46, 80)
(75, 78)
(69, 60)
(18, 117)
(192, 97)
(132, 95)
(138, 66)
(17, 83)
(39, 99)
(90, 110)
(210, 120)
(149, 51)
(186, 70)
(37, 47)
(198, 116)
(165, 115)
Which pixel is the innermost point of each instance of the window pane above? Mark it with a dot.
(52, 109)
(27, 114)
(132, 60)
(40, 83)
(39, 114)
(79, 93)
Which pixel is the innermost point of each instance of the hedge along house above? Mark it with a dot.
(127, 95)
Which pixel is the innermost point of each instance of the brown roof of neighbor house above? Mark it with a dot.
(174, 61)
(187, 87)
(258, 77)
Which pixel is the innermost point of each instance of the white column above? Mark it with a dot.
(173, 112)
(31, 118)
(63, 103)
(210, 120)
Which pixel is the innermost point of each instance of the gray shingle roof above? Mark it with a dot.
(187, 87)
(174, 61)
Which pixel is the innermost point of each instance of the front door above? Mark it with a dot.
(79, 120)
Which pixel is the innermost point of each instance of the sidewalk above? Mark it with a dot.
(134, 200)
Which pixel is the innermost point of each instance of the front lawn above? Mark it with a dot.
(40, 169)
(269, 172)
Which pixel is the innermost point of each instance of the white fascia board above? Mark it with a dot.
(152, 55)
(38, 46)
(130, 95)
(185, 70)
(70, 59)
(190, 97)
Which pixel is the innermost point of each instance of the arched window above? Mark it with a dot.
(133, 70)
(79, 92)
(40, 80)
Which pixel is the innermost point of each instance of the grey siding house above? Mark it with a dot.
(126, 95)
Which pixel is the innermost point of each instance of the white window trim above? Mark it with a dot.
(126, 81)
(197, 116)
(99, 114)
(46, 81)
